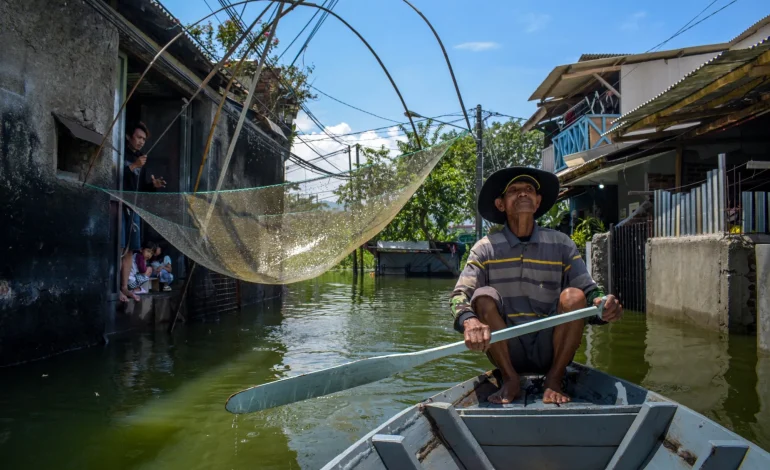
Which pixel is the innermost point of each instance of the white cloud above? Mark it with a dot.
(478, 46)
(324, 145)
(534, 21)
(632, 23)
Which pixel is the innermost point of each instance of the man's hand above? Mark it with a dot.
(477, 335)
(140, 161)
(159, 182)
(613, 311)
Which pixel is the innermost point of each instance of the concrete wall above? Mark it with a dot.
(763, 297)
(57, 243)
(704, 280)
(600, 259)
(55, 234)
(652, 78)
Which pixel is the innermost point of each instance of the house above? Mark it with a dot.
(65, 69)
(418, 259)
(662, 147)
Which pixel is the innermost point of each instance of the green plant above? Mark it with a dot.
(585, 230)
(347, 263)
(291, 86)
(554, 216)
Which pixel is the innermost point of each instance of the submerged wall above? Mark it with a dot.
(706, 280)
(58, 240)
(763, 298)
(55, 234)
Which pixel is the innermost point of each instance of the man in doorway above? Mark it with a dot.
(135, 179)
(522, 273)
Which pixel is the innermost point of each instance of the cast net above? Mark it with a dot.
(288, 232)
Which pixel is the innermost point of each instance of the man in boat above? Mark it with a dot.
(521, 273)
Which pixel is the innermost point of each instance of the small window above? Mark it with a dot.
(75, 146)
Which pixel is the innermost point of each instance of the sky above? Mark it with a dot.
(500, 50)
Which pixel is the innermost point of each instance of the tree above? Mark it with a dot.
(448, 195)
(291, 85)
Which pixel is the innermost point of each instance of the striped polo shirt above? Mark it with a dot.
(529, 275)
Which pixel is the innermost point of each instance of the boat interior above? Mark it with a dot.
(609, 424)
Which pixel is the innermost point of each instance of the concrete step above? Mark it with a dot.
(155, 308)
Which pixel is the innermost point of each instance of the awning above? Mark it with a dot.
(567, 193)
(733, 81)
(608, 173)
(79, 132)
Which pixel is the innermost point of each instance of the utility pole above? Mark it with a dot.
(355, 255)
(479, 166)
(358, 165)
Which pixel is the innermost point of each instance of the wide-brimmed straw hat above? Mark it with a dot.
(546, 184)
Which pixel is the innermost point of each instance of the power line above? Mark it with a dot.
(684, 29)
(314, 31)
(301, 31)
(398, 132)
(681, 30)
(351, 106)
(303, 106)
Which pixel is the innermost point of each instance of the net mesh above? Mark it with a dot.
(288, 232)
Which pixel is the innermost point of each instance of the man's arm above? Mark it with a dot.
(472, 277)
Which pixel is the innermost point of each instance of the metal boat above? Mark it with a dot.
(609, 424)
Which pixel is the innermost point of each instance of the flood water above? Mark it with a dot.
(152, 401)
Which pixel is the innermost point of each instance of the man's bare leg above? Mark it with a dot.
(566, 340)
(486, 309)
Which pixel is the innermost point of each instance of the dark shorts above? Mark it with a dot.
(530, 354)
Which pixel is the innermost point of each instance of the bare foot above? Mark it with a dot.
(553, 392)
(129, 295)
(507, 393)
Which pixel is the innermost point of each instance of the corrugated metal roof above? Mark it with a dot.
(556, 86)
(751, 30)
(698, 79)
(586, 57)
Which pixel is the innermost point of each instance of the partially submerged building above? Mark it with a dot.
(664, 147)
(65, 68)
(418, 259)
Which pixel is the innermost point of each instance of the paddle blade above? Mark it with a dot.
(319, 383)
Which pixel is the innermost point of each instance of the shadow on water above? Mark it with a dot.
(160, 401)
(148, 401)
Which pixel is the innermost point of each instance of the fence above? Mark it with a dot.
(213, 293)
(628, 279)
(707, 209)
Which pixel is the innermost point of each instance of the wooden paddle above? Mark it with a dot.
(364, 371)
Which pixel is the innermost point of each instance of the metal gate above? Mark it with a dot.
(627, 264)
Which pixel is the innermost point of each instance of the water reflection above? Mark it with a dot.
(761, 425)
(160, 401)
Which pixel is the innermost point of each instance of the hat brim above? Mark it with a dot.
(494, 185)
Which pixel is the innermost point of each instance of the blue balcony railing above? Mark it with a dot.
(583, 134)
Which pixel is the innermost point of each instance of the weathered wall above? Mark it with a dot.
(705, 280)
(56, 56)
(255, 162)
(763, 297)
(600, 259)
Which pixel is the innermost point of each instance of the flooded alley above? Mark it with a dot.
(157, 401)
